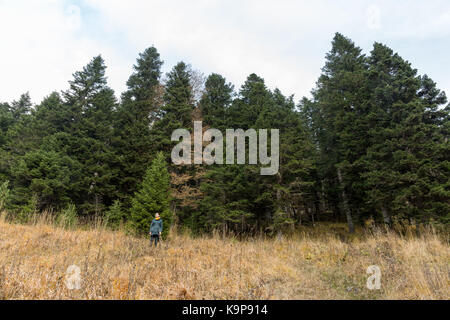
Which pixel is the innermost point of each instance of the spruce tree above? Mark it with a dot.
(153, 197)
(216, 101)
(291, 190)
(135, 117)
(177, 109)
(91, 106)
(6, 121)
(406, 166)
(339, 101)
(177, 112)
(22, 106)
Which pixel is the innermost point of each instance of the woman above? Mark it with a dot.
(155, 229)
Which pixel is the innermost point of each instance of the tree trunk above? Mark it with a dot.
(312, 216)
(386, 217)
(351, 227)
(325, 205)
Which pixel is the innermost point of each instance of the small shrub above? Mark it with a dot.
(25, 213)
(68, 217)
(282, 223)
(114, 216)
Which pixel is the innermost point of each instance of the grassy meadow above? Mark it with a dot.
(315, 263)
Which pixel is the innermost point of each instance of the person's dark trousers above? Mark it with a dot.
(154, 239)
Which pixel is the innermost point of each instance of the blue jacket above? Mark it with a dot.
(156, 227)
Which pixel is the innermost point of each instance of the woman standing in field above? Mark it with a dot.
(155, 229)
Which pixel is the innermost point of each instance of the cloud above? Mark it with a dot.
(73, 17)
(45, 41)
(43, 45)
(374, 18)
(278, 41)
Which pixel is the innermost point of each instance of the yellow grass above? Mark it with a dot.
(34, 259)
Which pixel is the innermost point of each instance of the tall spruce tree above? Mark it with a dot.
(406, 171)
(339, 102)
(291, 190)
(215, 101)
(135, 117)
(177, 109)
(176, 112)
(91, 106)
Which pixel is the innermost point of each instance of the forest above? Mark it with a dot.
(370, 144)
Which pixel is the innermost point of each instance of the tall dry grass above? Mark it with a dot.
(312, 265)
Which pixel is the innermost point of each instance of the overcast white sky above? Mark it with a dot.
(44, 41)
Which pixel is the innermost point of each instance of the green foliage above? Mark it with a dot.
(68, 217)
(27, 211)
(176, 111)
(115, 215)
(282, 223)
(91, 105)
(6, 121)
(153, 197)
(215, 101)
(4, 195)
(373, 139)
(380, 133)
(135, 116)
(21, 107)
(48, 175)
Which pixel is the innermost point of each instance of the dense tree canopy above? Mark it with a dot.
(371, 142)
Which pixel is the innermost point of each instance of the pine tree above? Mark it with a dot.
(216, 101)
(234, 197)
(373, 140)
(91, 106)
(6, 121)
(22, 106)
(406, 169)
(46, 175)
(20, 138)
(339, 101)
(252, 100)
(228, 201)
(135, 117)
(177, 112)
(292, 187)
(153, 197)
(115, 215)
(177, 109)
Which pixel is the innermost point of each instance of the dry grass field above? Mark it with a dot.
(34, 259)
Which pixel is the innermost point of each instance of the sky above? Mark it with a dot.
(43, 42)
